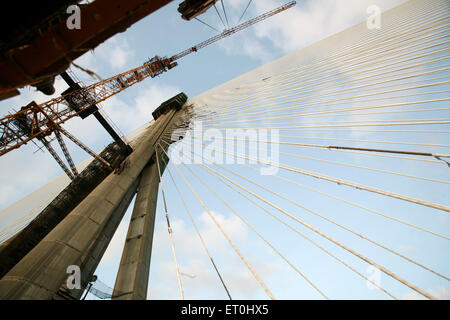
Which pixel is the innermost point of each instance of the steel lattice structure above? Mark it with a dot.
(40, 120)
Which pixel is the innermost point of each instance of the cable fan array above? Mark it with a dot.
(359, 178)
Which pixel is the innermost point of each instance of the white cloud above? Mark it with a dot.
(116, 51)
(130, 116)
(26, 170)
(243, 44)
(443, 293)
(21, 175)
(109, 58)
(408, 249)
(199, 278)
(187, 240)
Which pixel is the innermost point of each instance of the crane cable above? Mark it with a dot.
(225, 12)
(220, 16)
(206, 24)
(245, 10)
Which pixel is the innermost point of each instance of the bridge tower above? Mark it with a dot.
(79, 240)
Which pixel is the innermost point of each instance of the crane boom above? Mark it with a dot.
(233, 30)
(40, 120)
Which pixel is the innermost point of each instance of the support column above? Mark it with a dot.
(13, 250)
(132, 277)
(92, 257)
(41, 273)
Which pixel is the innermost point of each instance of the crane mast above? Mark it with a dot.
(41, 120)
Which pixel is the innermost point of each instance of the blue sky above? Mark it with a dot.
(165, 33)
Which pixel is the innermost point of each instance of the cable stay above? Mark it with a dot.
(198, 233)
(366, 259)
(169, 229)
(356, 131)
(244, 260)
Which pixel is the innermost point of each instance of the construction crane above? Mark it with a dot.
(229, 32)
(41, 120)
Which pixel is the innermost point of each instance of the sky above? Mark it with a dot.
(164, 33)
